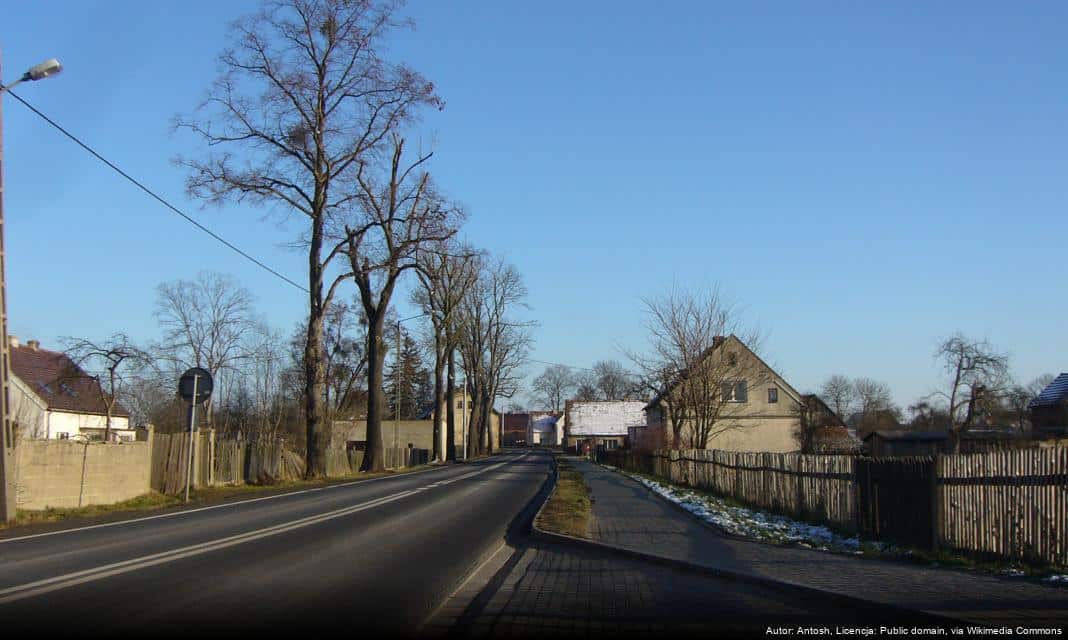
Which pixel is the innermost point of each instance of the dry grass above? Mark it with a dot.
(568, 509)
(148, 502)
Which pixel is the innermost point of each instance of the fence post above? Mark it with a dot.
(936, 503)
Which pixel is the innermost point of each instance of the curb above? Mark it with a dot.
(778, 585)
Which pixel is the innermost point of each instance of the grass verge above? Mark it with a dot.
(568, 509)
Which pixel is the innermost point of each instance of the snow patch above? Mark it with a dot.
(753, 523)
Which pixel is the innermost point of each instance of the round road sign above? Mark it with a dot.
(203, 385)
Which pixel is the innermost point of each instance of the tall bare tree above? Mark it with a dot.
(205, 322)
(445, 274)
(108, 364)
(613, 381)
(399, 216)
(304, 100)
(586, 386)
(874, 404)
(700, 362)
(974, 368)
(494, 344)
(553, 386)
(840, 394)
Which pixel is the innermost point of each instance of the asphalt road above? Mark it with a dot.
(374, 556)
(378, 557)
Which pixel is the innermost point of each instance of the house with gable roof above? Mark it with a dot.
(1049, 409)
(758, 410)
(53, 398)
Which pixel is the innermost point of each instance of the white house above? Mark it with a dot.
(546, 429)
(52, 398)
(600, 423)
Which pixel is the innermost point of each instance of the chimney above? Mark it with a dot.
(717, 340)
(13, 341)
(33, 344)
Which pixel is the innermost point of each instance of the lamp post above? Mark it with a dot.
(396, 379)
(7, 432)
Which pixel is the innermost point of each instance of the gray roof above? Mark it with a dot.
(1052, 394)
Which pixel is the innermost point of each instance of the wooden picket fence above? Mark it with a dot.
(1006, 503)
(1011, 503)
(170, 459)
(820, 488)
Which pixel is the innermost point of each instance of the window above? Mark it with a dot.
(741, 391)
(63, 435)
(773, 395)
(735, 391)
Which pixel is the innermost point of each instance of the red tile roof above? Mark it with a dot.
(59, 382)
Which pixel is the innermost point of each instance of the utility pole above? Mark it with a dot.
(465, 417)
(7, 429)
(7, 439)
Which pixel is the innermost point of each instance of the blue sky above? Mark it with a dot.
(862, 179)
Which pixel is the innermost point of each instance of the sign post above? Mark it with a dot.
(195, 387)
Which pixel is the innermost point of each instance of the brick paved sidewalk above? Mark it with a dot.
(627, 515)
(560, 590)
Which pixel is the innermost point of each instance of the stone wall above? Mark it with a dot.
(62, 474)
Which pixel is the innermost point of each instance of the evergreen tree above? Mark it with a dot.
(408, 381)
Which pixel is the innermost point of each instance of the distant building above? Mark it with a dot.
(604, 424)
(516, 429)
(887, 444)
(546, 429)
(1049, 410)
(53, 398)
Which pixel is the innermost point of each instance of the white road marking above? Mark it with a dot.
(48, 585)
(217, 506)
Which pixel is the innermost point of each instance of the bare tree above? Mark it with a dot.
(304, 99)
(701, 363)
(974, 368)
(445, 273)
(399, 216)
(553, 386)
(204, 322)
(108, 364)
(838, 392)
(586, 386)
(1039, 384)
(613, 381)
(874, 403)
(494, 344)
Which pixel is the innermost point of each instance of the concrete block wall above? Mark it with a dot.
(61, 474)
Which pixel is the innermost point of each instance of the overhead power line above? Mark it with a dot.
(156, 196)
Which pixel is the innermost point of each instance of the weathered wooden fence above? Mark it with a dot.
(261, 462)
(1012, 504)
(170, 460)
(1006, 503)
(820, 488)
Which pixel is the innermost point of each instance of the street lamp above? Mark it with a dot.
(396, 381)
(7, 433)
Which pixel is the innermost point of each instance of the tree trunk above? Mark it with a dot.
(473, 423)
(450, 409)
(439, 393)
(314, 376)
(374, 457)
